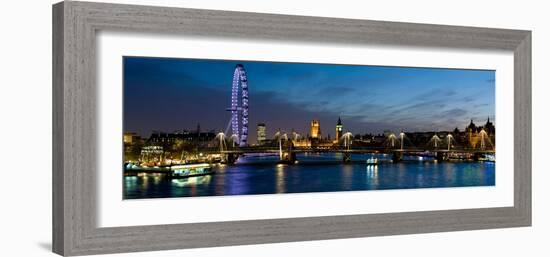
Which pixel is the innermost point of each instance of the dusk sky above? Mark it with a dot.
(172, 94)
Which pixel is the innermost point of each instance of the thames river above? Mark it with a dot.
(314, 173)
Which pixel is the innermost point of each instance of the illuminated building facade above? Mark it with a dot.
(471, 131)
(480, 136)
(132, 145)
(152, 153)
(315, 129)
(197, 137)
(131, 138)
(261, 133)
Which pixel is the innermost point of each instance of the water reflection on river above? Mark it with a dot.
(313, 173)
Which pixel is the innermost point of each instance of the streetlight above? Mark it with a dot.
(402, 135)
(449, 138)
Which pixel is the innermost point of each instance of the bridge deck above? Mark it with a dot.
(244, 150)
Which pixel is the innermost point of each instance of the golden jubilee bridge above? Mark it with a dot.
(440, 148)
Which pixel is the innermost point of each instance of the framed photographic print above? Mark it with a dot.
(183, 128)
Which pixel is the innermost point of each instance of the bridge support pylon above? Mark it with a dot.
(230, 158)
(397, 156)
(439, 156)
(288, 158)
(346, 157)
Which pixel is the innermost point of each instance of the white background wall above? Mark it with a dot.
(25, 121)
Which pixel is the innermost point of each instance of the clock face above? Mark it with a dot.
(339, 129)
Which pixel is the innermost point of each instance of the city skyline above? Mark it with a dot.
(172, 94)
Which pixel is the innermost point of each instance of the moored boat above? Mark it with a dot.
(372, 161)
(190, 170)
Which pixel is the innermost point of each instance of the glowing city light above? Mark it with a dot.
(402, 136)
(449, 139)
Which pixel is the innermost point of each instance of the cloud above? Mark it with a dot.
(435, 93)
(468, 99)
(333, 91)
(417, 108)
(455, 112)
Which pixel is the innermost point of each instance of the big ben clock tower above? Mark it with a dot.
(338, 129)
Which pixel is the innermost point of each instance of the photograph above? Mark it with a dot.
(203, 127)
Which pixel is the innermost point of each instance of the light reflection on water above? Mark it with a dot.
(372, 176)
(280, 179)
(314, 173)
(191, 181)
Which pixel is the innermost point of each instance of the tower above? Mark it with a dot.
(471, 133)
(315, 129)
(471, 128)
(260, 133)
(338, 129)
(489, 127)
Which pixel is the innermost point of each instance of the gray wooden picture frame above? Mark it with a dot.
(75, 25)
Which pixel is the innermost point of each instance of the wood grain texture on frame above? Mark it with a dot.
(75, 25)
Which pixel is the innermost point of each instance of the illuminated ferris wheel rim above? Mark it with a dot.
(239, 82)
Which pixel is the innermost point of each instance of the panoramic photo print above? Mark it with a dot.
(198, 127)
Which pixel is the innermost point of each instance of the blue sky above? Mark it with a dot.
(169, 94)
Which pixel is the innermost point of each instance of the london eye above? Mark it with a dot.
(239, 85)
